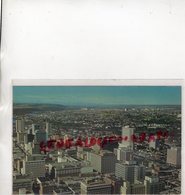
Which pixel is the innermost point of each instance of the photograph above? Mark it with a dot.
(96, 139)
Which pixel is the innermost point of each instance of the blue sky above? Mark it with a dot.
(98, 95)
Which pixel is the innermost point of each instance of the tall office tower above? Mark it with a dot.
(128, 143)
(20, 125)
(124, 154)
(152, 185)
(140, 171)
(20, 130)
(34, 128)
(40, 136)
(20, 137)
(130, 171)
(34, 168)
(48, 128)
(104, 161)
(36, 148)
(136, 188)
(25, 138)
(96, 186)
(174, 156)
(30, 137)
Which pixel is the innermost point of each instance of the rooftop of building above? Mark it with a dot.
(103, 153)
(63, 165)
(62, 189)
(21, 180)
(43, 179)
(126, 163)
(96, 181)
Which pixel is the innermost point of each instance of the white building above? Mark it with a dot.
(130, 171)
(174, 156)
(20, 125)
(128, 143)
(104, 161)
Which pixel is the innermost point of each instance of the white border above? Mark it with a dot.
(97, 82)
(113, 82)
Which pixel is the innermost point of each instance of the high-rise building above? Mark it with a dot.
(20, 125)
(124, 154)
(30, 137)
(136, 188)
(36, 148)
(174, 156)
(40, 136)
(34, 127)
(20, 131)
(96, 186)
(127, 143)
(48, 128)
(104, 161)
(152, 185)
(21, 137)
(140, 172)
(130, 171)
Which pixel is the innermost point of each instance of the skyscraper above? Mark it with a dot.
(127, 133)
(34, 128)
(130, 171)
(20, 125)
(137, 188)
(20, 130)
(40, 136)
(152, 185)
(124, 154)
(104, 161)
(48, 130)
(174, 156)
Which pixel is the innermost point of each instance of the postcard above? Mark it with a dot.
(102, 137)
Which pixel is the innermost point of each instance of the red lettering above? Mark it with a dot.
(99, 141)
(50, 144)
(92, 141)
(125, 138)
(60, 143)
(68, 142)
(142, 137)
(134, 138)
(112, 139)
(151, 137)
(79, 142)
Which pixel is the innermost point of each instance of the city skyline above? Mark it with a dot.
(98, 95)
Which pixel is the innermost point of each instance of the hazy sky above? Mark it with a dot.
(98, 95)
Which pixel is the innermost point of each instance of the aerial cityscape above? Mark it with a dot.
(96, 140)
